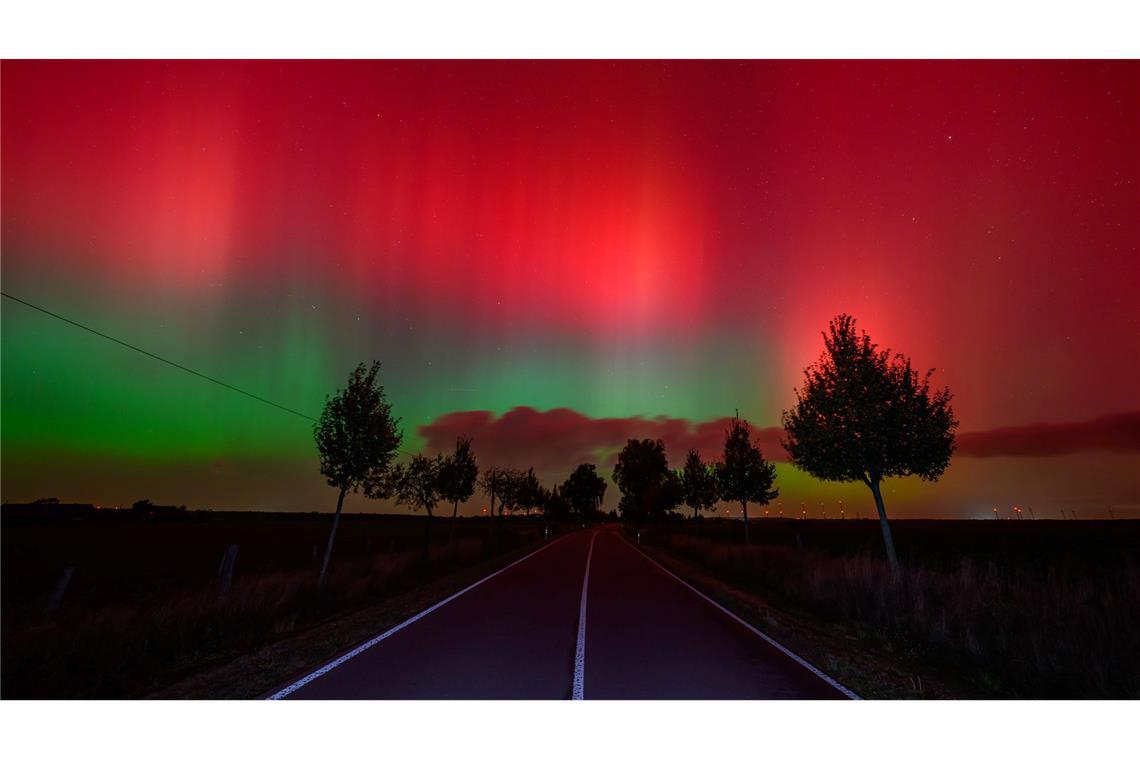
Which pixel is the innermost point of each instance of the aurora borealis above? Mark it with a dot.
(614, 240)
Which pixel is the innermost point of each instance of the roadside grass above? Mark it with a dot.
(139, 640)
(1064, 628)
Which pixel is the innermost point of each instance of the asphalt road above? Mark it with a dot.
(518, 635)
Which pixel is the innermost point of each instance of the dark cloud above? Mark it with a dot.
(1115, 432)
(556, 441)
(560, 439)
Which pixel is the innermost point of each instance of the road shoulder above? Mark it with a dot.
(257, 674)
(830, 648)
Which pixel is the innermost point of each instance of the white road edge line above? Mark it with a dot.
(579, 689)
(828, 679)
(396, 628)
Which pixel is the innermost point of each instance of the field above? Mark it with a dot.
(998, 609)
(145, 607)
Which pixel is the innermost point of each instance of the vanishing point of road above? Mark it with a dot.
(587, 616)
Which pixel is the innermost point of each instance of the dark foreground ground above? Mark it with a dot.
(144, 607)
(516, 636)
(981, 609)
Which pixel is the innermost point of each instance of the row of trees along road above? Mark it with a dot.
(862, 414)
(358, 438)
(651, 490)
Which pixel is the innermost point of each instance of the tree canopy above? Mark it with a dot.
(417, 482)
(525, 492)
(699, 484)
(584, 490)
(500, 483)
(356, 435)
(649, 488)
(865, 414)
(457, 473)
(743, 474)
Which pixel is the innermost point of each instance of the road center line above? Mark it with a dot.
(579, 690)
(394, 629)
(828, 679)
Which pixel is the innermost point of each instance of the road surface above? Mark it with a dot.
(549, 627)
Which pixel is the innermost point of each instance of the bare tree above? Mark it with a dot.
(356, 437)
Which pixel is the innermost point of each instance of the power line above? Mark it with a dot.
(144, 352)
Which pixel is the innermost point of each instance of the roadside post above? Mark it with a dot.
(226, 569)
(60, 588)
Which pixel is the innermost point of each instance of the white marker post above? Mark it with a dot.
(226, 571)
(60, 588)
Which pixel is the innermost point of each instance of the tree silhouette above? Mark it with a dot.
(356, 437)
(417, 485)
(509, 491)
(864, 414)
(649, 488)
(584, 490)
(555, 505)
(457, 474)
(524, 492)
(699, 484)
(499, 483)
(743, 475)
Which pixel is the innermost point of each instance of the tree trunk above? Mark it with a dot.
(332, 537)
(491, 515)
(427, 538)
(694, 513)
(451, 529)
(886, 526)
(744, 508)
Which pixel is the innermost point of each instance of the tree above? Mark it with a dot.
(699, 484)
(457, 474)
(649, 488)
(356, 437)
(417, 485)
(500, 483)
(584, 491)
(743, 475)
(525, 492)
(555, 505)
(865, 414)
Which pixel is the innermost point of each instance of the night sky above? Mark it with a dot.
(606, 248)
